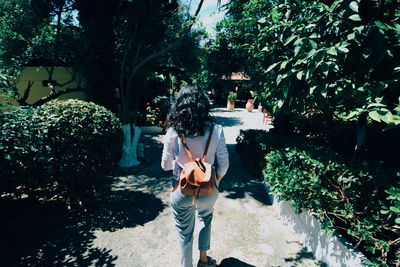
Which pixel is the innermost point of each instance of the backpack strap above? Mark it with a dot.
(206, 148)
(187, 149)
(208, 142)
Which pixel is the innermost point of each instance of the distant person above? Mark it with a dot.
(189, 120)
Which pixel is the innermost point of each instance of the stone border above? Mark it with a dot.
(333, 250)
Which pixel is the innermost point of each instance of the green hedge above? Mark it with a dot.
(60, 148)
(359, 200)
(253, 145)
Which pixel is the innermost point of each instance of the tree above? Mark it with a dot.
(144, 40)
(40, 33)
(100, 67)
(333, 57)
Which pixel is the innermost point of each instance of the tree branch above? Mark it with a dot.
(164, 51)
(22, 100)
(123, 63)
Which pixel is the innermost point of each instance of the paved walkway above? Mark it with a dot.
(135, 228)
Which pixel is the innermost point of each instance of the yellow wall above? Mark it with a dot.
(38, 75)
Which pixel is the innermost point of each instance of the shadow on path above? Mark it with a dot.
(147, 177)
(239, 180)
(47, 235)
(221, 118)
(50, 236)
(228, 122)
(233, 262)
(300, 256)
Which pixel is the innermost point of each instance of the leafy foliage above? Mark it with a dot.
(59, 148)
(336, 57)
(358, 200)
(39, 33)
(253, 145)
(232, 96)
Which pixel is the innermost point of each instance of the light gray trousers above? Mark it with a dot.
(184, 218)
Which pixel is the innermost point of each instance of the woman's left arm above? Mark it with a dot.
(168, 154)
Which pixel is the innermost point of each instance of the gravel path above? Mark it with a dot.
(135, 227)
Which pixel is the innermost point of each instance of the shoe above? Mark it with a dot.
(210, 263)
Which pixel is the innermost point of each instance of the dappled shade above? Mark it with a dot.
(51, 237)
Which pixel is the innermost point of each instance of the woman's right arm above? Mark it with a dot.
(168, 154)
(222, 155)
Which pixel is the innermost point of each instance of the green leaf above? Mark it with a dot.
(354, 6)
(355, 17)
(395, 209)
(386, 116)
(279, 79)
(290, 39)
(343, 49)
(311, 53)
(351, 115)
(398, 222)
(313, 44)
(272, 67)
(381, 25)
(262, 20)
(332, 51)
(299, 42)
(299, 75)
(265, 49)
(285, 91)
(283, 64)
(359, 29)
(376, 105)
(297, 50)
(351, 36)
(314, 35)
(374, 115)
(299, 61)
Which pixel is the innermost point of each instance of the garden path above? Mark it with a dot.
(246, 229)
(134, 227)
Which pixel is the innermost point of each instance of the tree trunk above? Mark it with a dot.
(130, 145)
(98, 48)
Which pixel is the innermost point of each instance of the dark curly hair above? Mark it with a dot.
(190, 112)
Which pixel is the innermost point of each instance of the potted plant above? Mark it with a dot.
(231, 100)
(250, 105)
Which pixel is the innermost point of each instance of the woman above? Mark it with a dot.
(189, 118)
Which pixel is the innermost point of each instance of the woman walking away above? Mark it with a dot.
(191, 145)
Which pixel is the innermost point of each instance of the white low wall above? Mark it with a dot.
(330, 249)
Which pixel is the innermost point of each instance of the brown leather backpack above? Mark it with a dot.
(197, 178)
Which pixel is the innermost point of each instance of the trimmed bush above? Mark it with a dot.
(253, 145)
(60, 148)
(359, 200)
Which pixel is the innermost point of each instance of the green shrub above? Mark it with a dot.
(361, 200)
(344, 198)
(253, 145)
(59, 148)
